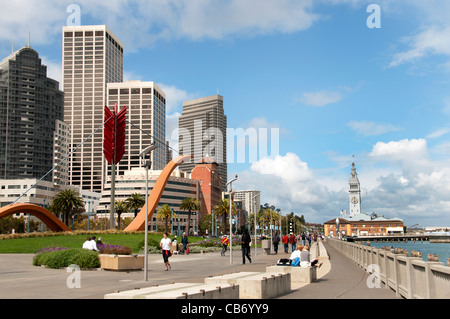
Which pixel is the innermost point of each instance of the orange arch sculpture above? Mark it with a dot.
(138, 222)
(43, 214)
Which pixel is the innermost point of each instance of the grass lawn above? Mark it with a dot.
(33, 244)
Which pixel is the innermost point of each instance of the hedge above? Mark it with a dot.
(85, 259)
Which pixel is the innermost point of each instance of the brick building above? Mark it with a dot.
(207, 172)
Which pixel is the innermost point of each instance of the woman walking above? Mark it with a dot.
(245, 245)
(165, 245)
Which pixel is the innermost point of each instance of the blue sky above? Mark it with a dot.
(313, 69)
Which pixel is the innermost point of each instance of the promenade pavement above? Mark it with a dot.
(337, 278)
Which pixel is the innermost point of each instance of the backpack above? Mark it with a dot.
(295, 262)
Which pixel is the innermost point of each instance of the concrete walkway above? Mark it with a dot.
(340, 279)
(337, 278)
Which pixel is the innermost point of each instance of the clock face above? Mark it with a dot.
(354, 200)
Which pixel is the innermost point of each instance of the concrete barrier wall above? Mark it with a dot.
(408, 277)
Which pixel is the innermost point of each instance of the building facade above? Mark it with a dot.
(363, 225)
(146, 122)
(30, 105)
(203, 132)
(207, 173)
(250, 200)
(92, 58)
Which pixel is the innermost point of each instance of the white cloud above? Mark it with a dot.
(400, 150)
(143, 22)
(368, 128)
(431, 41)
(398, 179)
(438, 133)
(321, 98)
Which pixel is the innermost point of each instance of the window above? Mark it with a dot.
(68, 34)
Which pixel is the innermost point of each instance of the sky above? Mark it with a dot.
(330, 82)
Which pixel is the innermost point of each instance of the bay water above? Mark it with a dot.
(425, 247)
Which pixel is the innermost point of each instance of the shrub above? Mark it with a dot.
(114, 249)
(85, 259)
(152, 244)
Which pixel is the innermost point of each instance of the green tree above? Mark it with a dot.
(191, 205)
(121, 207)
(67, 203)
(223, 209)
(165, 212)
(135, 202)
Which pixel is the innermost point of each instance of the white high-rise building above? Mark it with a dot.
(146, 121)
(250, 200)
(92, 58)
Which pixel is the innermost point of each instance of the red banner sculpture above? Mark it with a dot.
(114, 137)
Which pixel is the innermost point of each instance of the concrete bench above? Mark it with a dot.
(264, 285)
(298, 274)
(229, 279)
(180, 291)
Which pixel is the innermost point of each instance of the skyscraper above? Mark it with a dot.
(146, 116)
(92, 57)
(203, 132)
(30, 105)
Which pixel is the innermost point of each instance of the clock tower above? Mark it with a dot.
(354, 193)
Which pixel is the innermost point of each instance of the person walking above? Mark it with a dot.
(245, 246)
(184, 242)
(275, 242)
(293, 241)
(225, 242)
(165, 245)
(309, 239)
(303, 239)
(285, 241)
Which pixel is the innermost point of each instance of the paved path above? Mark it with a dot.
(338, 277)
(344, 280)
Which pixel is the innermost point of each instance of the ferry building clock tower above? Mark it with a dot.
(354, 193)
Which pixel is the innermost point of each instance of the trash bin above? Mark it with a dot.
(266, 245)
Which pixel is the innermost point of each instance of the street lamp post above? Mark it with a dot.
(231, 218)
(147, 164)
(254, 204)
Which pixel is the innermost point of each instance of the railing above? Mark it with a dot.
(408, 277)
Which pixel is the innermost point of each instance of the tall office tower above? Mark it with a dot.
(61, 149)
(30, 105)
(92, 58)
(203, 132)
(146, 122)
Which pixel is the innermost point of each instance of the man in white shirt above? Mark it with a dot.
(86, 244)
(90, 244)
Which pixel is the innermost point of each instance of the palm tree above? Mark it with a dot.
(135, 202)
(190, 204)
(121, 207)
(223, 209)
(165, 212)
(67, 202)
